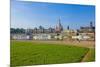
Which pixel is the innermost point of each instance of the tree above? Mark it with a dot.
(17, 30)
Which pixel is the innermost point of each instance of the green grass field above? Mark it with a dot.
(32, 53)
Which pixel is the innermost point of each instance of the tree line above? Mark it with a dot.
(17, 30)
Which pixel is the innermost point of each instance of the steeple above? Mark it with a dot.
(59, 27)
(67, 27)
(91, 24)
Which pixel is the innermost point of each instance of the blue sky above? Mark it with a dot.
(34, 14)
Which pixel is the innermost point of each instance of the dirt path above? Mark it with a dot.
(89, 56)
(87, 44)
(85, 57)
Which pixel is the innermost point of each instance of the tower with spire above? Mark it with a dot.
(59, 27)
(91, 24)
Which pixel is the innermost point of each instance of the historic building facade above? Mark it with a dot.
(56, 33)
(41, 33)
(86, 33)
(47, 34)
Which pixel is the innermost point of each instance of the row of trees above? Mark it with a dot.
(17, 30)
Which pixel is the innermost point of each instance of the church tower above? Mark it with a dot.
(59, 27)
(91, 24)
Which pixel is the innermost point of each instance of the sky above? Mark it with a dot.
(33, 14)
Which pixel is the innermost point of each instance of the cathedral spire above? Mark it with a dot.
(59, 27)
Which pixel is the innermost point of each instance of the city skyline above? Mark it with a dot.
(35, 14)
